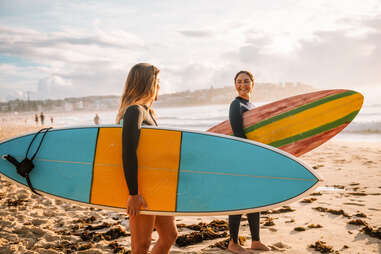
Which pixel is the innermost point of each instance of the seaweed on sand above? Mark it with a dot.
(223, 245)
(117, 248)
(358, 222)
(283, 209)
(206, 231)
(321, 247)
(332, 211)
(15, 203)
(198, 237)
(109, 235)
(373, 232)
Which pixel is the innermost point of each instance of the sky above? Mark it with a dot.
(55, 49)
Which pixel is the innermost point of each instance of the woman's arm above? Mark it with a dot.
(235, 117)
(132, 122)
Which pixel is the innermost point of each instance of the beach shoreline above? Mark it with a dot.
(350, 193)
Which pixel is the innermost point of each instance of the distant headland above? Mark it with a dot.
(262, 92)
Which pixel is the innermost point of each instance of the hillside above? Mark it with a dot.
(262, 92)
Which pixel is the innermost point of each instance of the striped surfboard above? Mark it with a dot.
(180, 172)
(300, 123)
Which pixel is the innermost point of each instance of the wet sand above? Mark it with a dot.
(343, 216)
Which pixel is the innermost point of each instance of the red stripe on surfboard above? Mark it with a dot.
(273, 109)
(303, 146)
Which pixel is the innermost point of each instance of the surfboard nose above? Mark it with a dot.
(230, 174)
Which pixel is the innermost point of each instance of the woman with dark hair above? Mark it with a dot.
(244, 84)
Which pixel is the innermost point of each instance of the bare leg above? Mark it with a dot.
(166, 228)
(141, 227)
(254, 224)
(257, 245)
(234, 221)
(237, 248)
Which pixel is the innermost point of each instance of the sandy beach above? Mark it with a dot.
(343, 216)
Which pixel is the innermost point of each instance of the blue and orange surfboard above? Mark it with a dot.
(180, 172)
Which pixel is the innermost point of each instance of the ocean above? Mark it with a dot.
(365, 127)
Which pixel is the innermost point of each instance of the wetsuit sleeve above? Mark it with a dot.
(235, 117)
(132, 122)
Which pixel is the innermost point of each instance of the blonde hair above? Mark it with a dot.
(139, 87)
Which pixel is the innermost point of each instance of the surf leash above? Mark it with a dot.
(25, 166)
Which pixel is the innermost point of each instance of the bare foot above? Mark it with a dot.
(257, 245)
(236, 248)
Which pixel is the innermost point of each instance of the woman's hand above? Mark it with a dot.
(134, 203)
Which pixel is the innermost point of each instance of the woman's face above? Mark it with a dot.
(244, 85)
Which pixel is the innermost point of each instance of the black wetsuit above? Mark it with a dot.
(133, 119)
(237, 108)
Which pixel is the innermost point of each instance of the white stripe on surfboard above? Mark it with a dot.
(59, 161)
(174, 170)
(210, 172)
(245, 175)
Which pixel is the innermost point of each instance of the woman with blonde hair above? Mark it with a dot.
(141, 90)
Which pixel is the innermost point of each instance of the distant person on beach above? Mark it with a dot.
(244, 84)
(36, 118)
(42, 118)
(51, 120)
(141, 90)
(96, 119)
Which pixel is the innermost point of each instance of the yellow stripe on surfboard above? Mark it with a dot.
(307, 120)
(155, 151)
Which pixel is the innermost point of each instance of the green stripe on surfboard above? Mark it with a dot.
(298, 110)
(320, 129)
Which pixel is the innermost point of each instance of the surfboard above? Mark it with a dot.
(300, 123)
(180, 172)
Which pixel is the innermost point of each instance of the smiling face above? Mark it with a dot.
(244, 85)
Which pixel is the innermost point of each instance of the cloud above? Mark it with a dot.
(67, 63)
(187, 77)
(55, 87)
(339, 59)
(18, 79)
(67, 45)
(328, 59)
(91, 51)
(11, 94)
(196, 33)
